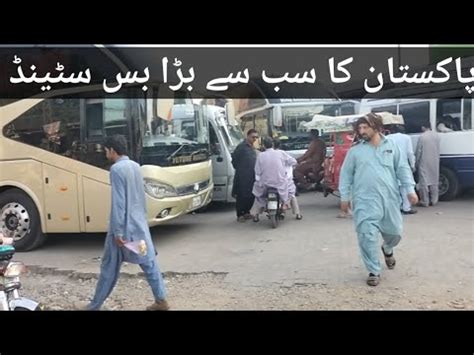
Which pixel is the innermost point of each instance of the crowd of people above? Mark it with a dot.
(377, 181)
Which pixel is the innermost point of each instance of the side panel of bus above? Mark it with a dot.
(457, 147)
(60, 200)
(96, 208)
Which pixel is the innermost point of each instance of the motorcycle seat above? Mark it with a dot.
(6, 252)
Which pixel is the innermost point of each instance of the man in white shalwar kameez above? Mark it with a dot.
(270, 171)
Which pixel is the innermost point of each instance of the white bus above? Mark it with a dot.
(224, 136)
(457, 145)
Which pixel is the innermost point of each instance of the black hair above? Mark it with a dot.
(315, 132)
(373, 120)
(267, 142)
(251, 131)
(118, 143)
(276, 143)
(400, 128)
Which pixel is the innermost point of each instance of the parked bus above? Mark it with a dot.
(224, 136)
(54, 175)
(286, 119)
(457, 142)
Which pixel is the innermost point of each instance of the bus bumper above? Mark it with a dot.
(162, 210)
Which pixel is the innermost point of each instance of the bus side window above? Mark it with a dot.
(348, 109)
(467, 114)
(415, 115)
(391, 108)
(94, 122)
(52, 125)
(449, 114)
(103, 118)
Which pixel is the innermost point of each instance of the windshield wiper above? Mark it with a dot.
(200, 151)
(172, 155)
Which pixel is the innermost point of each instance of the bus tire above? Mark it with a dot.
(448, 184)
(23, 209)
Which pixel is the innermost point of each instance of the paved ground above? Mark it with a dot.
(210, 261)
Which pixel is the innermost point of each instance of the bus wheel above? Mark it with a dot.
(448, 184)
(19, 218)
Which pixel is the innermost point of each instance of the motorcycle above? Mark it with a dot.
(10, 299)
(314, 180)
(274, 207)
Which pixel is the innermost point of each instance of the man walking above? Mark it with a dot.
(128, 224)
(369, 177)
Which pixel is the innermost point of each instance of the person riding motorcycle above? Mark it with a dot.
(311, 162)
(270, 171)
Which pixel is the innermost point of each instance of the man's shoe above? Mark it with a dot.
(161, 305)
(373, 280)
(412, 211)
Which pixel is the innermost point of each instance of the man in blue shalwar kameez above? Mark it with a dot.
(128, 223)
(369, 177)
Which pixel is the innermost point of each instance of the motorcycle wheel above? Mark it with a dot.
(274, 220)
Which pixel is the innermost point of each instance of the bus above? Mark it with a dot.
(457, 145)
(54, 177)
(224, 136)
(287, 119)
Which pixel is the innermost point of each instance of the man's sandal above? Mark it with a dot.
(389, 259)
(373, 280)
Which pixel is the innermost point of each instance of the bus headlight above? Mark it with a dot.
(158, 189)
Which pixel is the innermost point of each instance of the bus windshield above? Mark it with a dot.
(235, 135)
(291, 128)
(76, 128)
(181, 138)
(231, 132)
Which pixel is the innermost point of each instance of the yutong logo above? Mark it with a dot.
(196, 188)
(189, 158)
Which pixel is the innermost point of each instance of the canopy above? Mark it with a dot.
(328, 124)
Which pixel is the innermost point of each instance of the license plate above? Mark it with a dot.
(196, 202)
(272, 205)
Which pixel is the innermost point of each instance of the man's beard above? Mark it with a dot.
(366, 138)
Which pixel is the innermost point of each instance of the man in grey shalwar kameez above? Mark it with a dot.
(427, 166)
(128, 223)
